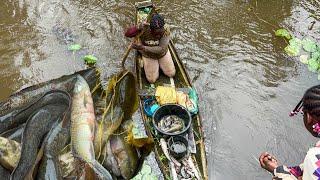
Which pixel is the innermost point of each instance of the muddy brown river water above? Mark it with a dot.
(246, 83)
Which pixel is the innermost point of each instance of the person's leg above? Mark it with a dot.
(167, 65)
(151, 68)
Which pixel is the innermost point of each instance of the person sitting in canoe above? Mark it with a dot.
(310, 168)
(154, 47)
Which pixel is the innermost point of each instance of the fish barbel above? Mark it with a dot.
(82, 127)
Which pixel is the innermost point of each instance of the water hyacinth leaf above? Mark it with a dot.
(293, 49)
(315, 55)
(313, 65)
(309, 45)
(304, 59)
(90, 59)
(283, 33)
(295, 42)
(74, 47)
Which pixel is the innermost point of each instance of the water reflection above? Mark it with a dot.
(247, 84)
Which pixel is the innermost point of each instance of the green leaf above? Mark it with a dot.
(313, 65)
(74, 47)
(309, 45)
(304, 59)
(283, 33)
(315, 55)
(295, 42)
(293, 49)
(90, 59)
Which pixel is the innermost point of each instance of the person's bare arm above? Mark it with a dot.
(158, 50)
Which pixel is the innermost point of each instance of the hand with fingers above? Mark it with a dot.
(268, 162)
(137, 46)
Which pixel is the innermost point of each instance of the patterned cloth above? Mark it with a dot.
(308, 170)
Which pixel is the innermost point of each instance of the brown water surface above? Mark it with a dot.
(247, 85)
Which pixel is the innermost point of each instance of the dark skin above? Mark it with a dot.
(269, 162)
(157, 33)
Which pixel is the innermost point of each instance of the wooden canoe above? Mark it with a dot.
(181, 80)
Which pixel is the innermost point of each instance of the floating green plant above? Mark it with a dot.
(74, 47)
(283, 33)
(310, 50)
(309, 45)
(90, 59)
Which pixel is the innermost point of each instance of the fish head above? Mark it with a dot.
(81, 86)
(91, 75)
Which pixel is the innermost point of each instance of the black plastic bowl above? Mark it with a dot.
(178, 140)
(171, 109)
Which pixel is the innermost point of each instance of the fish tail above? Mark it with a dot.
(102, 172)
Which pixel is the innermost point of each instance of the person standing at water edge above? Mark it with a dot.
(310, 168)
(154, 47)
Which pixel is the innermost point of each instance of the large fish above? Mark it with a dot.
(54, 142)
(121, 103)
(18, 117)
(128, 98)
(111, 162)
(126, 156)
(36, 128)
(82, 127)
(27, 95)
(121, 158)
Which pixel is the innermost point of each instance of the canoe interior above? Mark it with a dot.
(181, 80)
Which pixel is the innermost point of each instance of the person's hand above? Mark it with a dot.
(268, 162)
(137, 46)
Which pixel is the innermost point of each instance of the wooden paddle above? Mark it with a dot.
(125, 56)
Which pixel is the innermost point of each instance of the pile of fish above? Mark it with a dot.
(183, 168)
(70, 128)
(171, 124)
